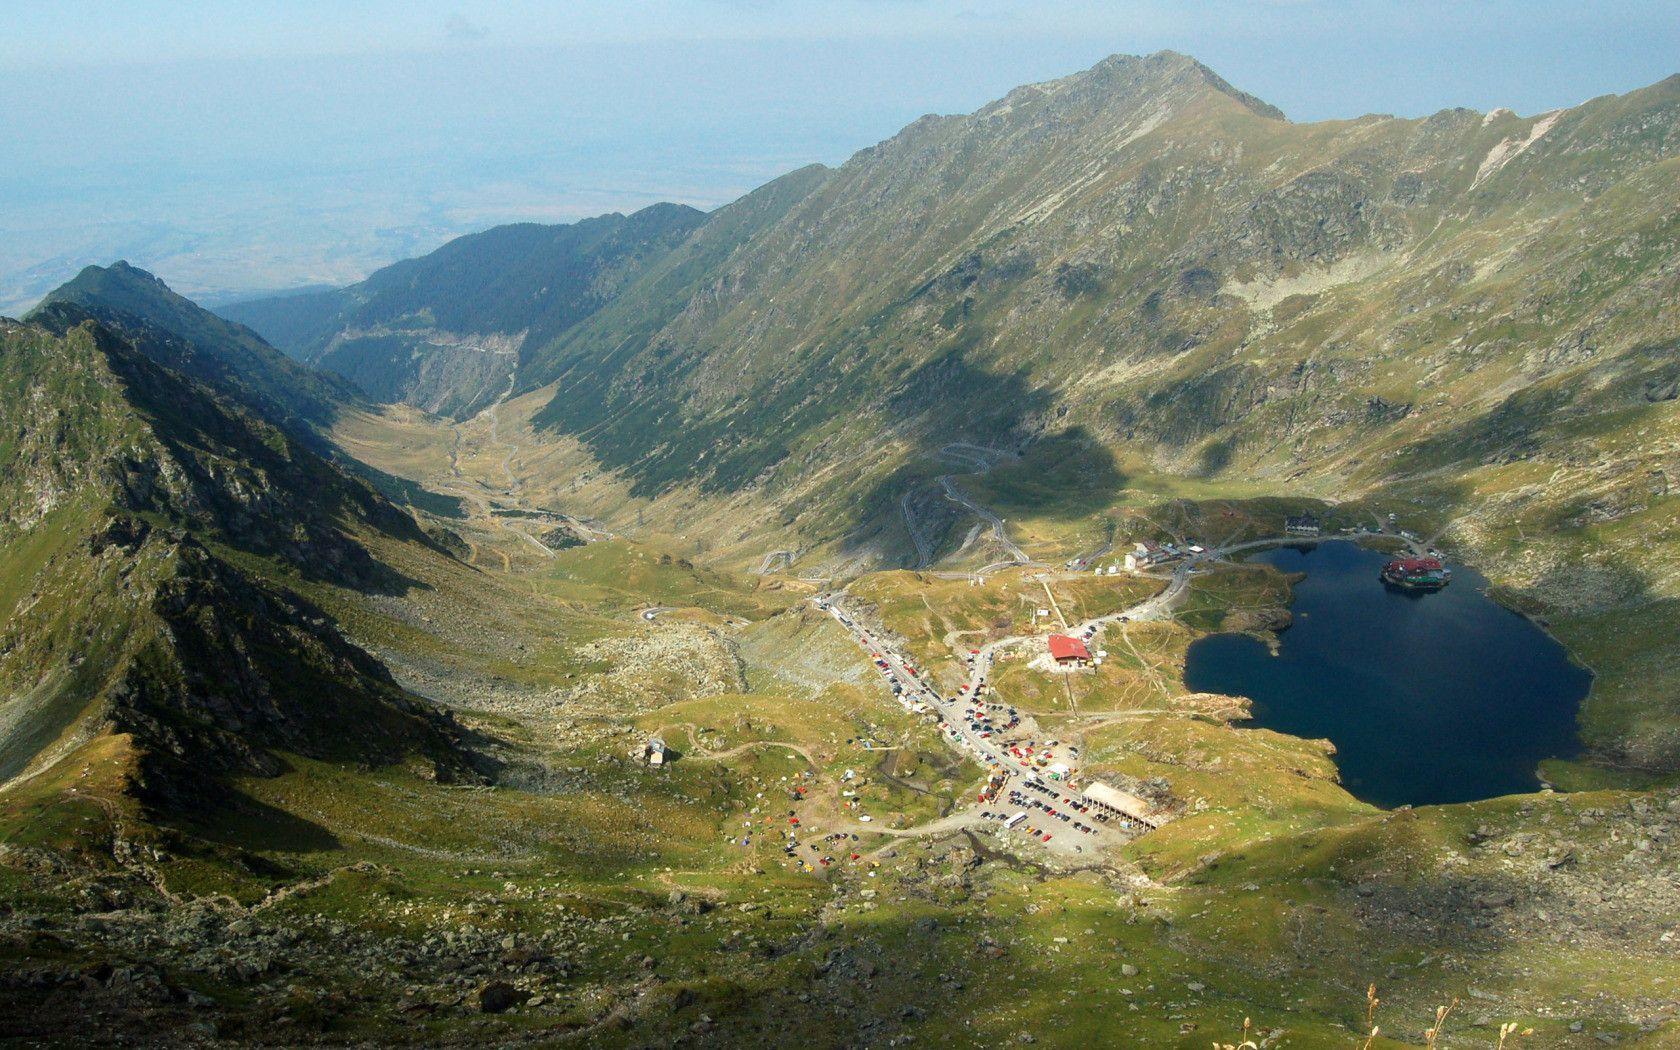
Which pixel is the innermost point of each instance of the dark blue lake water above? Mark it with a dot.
(1443, 697)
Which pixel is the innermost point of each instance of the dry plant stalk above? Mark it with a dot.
(1432, 1036)
(1371, 1004)
(1245, 1044)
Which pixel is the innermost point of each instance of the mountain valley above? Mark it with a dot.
(638, 632)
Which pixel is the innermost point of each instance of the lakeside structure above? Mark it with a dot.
(1416, 574)
(1303, 525)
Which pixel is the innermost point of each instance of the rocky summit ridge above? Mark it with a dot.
(140, 509)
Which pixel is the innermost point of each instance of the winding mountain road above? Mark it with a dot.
(495, 413)
(768, 564)
(999, 533)
(982, 459)
(924, 549)
(511, 497)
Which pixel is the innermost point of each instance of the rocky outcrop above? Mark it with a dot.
(1257, 621)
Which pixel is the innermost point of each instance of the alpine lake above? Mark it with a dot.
(1429, 697)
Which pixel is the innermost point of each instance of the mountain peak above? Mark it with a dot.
(1131, 81)
(1167, 68)
(120, 284)
(179, 334)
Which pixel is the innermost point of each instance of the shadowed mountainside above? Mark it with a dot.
(142, 518)
(184, 337)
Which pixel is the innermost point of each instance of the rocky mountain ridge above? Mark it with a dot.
(180, 335)
(131, 492)
(1147, 255)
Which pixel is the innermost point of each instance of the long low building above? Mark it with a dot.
(1123, 802)
(1145, 554)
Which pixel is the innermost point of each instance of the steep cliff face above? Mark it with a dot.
(444, 332)
(122, 480)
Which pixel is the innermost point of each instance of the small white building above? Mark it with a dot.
(1146, 554)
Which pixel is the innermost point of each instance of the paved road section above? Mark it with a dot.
(999, 533)
(924, 549)
(983, 460)
(768, 564)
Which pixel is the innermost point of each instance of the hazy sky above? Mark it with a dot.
(235, 146)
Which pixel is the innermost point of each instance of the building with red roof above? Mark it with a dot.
(1417, 574)
(1065, 650)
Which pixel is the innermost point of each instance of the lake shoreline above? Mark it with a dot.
(1429, 698)
(1496, 592)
